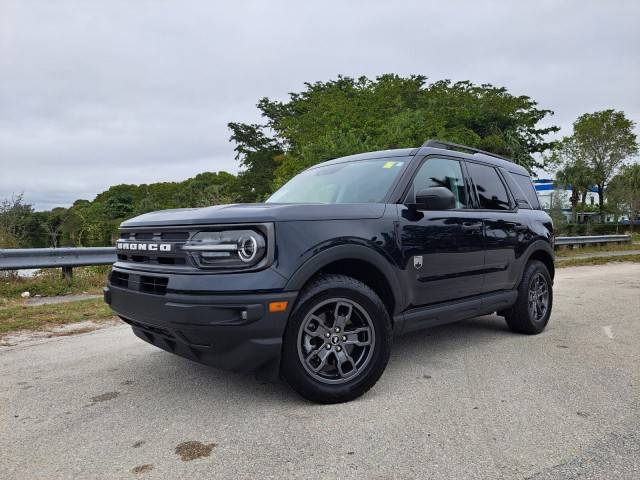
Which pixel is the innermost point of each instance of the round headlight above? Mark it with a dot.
(247, 248)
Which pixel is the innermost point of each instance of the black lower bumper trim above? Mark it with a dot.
(232, 332)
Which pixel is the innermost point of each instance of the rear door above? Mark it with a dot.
(442, 251)
(503, 226)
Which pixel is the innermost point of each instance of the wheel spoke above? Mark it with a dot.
(354, 337)
(342, 314)
(346, 365)
(320, 330)
(322, 354)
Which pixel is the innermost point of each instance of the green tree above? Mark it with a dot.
(15, 216)
(257, 154)
(604, 141)
(571, 171)
(555, 211)
(346, 116)
(624, 192)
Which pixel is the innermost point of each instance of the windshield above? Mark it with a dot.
(363, 181)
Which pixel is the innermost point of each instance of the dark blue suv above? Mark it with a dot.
(312, 285)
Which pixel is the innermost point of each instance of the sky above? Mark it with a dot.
(97, 93)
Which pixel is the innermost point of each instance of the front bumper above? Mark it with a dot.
(231, 331)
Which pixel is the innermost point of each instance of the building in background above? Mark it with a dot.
(548, 192)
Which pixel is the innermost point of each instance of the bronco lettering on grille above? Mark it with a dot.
(151, 247)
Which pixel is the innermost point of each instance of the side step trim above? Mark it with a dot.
(443, 313)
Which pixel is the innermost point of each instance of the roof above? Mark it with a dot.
(396, 152)
(404, 152)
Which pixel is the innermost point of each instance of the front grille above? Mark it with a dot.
(174, 257)
(175, 236)
(153, 259)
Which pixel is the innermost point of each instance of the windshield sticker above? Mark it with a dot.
(388, 164)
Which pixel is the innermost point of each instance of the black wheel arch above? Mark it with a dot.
(539, 250)
(344, 259)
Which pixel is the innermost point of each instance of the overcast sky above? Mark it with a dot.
(96, 93)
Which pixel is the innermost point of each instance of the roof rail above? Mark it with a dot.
(455, 146)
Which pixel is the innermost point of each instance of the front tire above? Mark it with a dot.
(338, 340)
(532, 309)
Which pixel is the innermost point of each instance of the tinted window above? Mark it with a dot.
(527, 189)
(516, 191)
(440, 172)
(363, 181)
(491, 191)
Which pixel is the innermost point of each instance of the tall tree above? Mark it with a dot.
(257, 155)
(604, 140)
(571, 172)
(346, 116)
(15, 216)
(624, 192)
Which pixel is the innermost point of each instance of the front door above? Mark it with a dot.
(442, 251)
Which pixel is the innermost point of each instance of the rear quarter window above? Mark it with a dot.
(527, 188)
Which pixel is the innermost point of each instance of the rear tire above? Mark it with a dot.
(532, 309)
(338, 340)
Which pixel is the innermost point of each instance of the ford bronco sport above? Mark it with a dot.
(312, 285)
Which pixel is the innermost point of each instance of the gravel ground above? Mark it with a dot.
(469, 400)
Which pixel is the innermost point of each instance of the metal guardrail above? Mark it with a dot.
(68, 258)
(65, 258)
(592, 239)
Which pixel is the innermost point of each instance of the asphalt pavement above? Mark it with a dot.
(463, 401)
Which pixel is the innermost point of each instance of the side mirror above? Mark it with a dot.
(435, 198)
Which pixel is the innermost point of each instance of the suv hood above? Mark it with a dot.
(256, 213)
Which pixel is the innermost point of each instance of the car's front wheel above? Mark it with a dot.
(338, 340)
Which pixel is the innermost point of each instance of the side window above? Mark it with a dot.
(441, 172)
(528, 189)
(491, 191)
(521, 199)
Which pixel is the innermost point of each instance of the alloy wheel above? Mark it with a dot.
(336, 341)
(538, 297)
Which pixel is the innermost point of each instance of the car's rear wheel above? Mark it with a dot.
(338, 340)
(532, 310)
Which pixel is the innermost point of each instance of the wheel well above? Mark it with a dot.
(367, 274)
(545, 258)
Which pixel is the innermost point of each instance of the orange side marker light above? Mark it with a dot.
(275, 307)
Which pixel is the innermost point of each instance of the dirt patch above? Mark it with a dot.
(192, 450)
(104, 397)
(66, 333)
(21, 337)
(142, 469)
(35, 301)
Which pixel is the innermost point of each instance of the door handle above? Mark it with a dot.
(471, 228)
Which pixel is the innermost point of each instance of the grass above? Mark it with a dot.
(578, 262)
(49, 282)
(571, 252)
(14, 315)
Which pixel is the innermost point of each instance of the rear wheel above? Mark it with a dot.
(532, 309)
(338, 340)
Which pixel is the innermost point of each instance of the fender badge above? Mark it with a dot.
(417, 262)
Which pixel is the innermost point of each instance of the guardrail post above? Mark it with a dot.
(67, 273)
